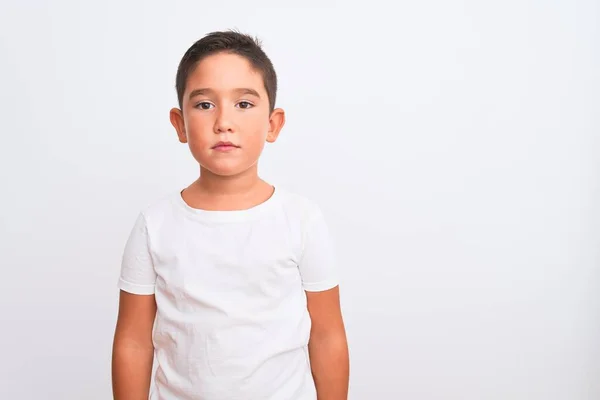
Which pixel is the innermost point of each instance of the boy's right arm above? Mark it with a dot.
(133, 352)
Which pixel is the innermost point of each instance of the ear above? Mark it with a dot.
(176, 116)
(276, 122)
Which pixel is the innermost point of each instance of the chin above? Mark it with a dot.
(227, 170)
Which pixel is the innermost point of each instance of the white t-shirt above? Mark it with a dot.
(231, 322)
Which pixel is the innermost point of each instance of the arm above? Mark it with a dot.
(133, 352)
(328, 347)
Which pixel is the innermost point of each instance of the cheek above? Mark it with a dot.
(258, 125)
(199, 129)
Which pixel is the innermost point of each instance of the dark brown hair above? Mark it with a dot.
(227, 42)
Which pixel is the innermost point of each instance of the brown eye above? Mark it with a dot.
(204, 105)
(245, 104)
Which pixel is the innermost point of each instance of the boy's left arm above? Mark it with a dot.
(328, 346)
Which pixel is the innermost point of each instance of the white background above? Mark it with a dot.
(453, 145)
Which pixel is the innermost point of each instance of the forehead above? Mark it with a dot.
(224, 71)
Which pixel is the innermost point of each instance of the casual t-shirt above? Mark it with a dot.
(231, 322)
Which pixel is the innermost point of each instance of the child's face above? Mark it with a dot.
(225, 101)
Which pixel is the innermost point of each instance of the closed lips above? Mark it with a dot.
(224, 145)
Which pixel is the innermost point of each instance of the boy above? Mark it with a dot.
(230, 283)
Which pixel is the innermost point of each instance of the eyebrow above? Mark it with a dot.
(207, 91)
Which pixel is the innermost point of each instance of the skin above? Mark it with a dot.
(226, 101)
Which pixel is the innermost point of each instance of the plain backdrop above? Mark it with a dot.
(453, 146)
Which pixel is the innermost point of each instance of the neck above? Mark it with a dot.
(236, 185)
(215, 192)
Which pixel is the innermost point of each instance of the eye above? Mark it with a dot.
(204, 105)
(245, 104)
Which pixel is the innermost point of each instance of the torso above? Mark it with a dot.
(231, 317)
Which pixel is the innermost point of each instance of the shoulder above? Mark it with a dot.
(299, 207)
(159, 207)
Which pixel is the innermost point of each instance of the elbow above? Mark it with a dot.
(333, 343)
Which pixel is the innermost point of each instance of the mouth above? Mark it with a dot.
(225, 146)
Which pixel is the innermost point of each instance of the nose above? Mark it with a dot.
(223, 122)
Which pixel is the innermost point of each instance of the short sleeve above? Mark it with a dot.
(137, 270)
(317, 264)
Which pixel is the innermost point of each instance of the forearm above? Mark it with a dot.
(131, 370)
(329, 360)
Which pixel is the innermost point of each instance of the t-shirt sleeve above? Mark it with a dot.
(317, 264)
(137, 270)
